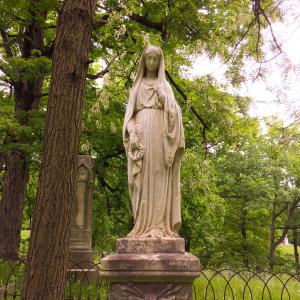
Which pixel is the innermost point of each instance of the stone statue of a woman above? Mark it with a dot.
(154, 142)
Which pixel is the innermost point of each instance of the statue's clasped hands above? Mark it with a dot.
(160, 93)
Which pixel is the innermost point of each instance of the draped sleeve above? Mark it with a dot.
(173, 127)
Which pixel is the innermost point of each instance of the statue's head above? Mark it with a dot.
(151, 60)
(152, 57)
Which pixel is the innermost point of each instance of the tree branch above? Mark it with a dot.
(102, 72)
(184, 96)
(41, 95)
(49, 26)
(6, 43)
(103, 8)
(99, 74)
(240, 40)
(281, 211)
(258, 10)
(2, 69)
(104, 183)
(231, 197)
(292, 209)
(146, 22)
(119, 152)
(100, 22)
(48, 49)
(200, 119)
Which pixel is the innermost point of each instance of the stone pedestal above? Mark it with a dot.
(150, 269)
(81, 255)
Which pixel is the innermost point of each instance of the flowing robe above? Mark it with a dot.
(154, 180)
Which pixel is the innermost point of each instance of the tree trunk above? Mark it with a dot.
(11, 206)
(296, 252)
(272, 238)
(16, 178)
(290, 213)
(45, 270)
(16, 174)
(244, 235)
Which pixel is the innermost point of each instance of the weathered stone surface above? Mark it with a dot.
(150, 245)
(80, 254)
(131, 271)
(154, 142)
(81, 238)
(150, 291)
(160, 267)
(151, 262)
(80, 258)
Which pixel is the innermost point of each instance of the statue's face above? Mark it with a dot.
(152, 62)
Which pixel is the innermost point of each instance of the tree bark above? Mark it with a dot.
(45, 270)
(16, 172)
(11, 206)
(296, 252)
(272, 236)
(290, 213)
(244, 235)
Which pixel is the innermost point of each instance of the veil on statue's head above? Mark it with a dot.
(141, 71)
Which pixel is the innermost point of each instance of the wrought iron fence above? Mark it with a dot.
(231, 284)
(85, 284)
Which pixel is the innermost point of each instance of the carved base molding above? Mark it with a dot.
(150, 269)
(150, 291)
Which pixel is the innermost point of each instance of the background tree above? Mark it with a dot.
(282, 147)
(246, 191)
(24, 63)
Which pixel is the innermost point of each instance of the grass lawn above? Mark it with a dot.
(245, 285)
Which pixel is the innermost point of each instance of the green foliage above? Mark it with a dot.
(23, 69)
(102, 138)
(202, 210)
